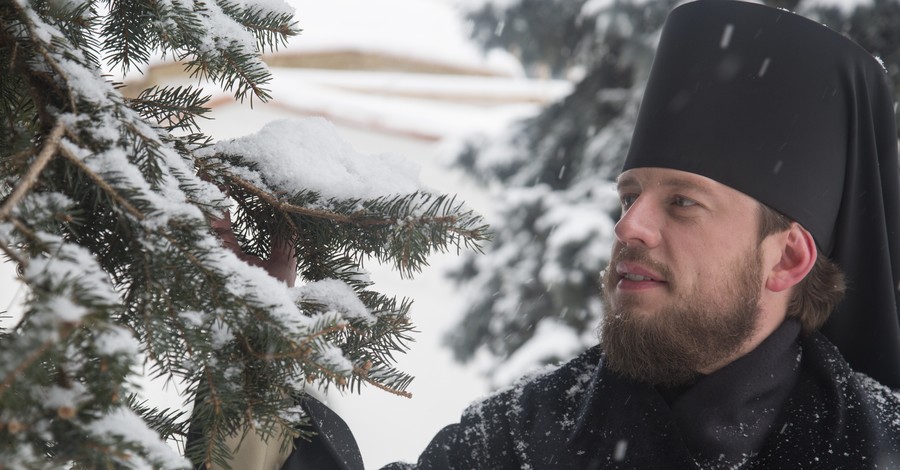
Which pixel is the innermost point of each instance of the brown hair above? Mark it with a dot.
(816, 296)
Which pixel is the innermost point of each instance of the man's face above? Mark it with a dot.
(683, 287)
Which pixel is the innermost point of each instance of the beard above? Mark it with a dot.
(698, 330)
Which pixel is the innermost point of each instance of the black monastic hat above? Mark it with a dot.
(800, 118)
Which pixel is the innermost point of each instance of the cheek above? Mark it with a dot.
(699, 258)
(723, 238)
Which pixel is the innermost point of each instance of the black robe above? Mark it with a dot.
(583, 416)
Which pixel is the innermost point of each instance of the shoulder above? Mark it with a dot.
(859, 394)
(835, 417)
(568, 379)
(884, 401)
(829, 359)
(512, 422)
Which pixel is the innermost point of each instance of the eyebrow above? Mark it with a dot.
(624, 180)
(671, 183)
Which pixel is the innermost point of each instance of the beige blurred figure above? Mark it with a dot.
(250, 451)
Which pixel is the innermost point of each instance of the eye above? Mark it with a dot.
(627, 200)
(681, 201)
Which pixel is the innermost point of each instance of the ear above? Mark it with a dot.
(798, 255)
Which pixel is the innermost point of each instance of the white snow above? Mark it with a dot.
(192, 318)
(168, 201)
(56, 397)
(223, 32)
(86, 84)
(579, 223)
(253, 282)
(594, 7)
(764, 67)
(726, 36)
(117, 340)
(504, 149)
(621, 450)
(335, 360)
(336, 295)
(124, 423)
(49, 201)
(42, 30)
(277, 6)
(66, 310)
(308, 153)
(71, 264)
(220, 334)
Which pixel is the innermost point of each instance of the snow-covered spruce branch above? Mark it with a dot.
(271, 27)
(101, 183)
(304, 350)
(28, 361)
(403, 228)
(364, 373)
(243, 73)
(172, 108)
(102, 209)
(300, 350)
(52, 146)
(234, 62)
(37, 38)
(31, 176)
(12, 254)
(363, 217)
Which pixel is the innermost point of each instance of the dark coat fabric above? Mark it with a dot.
(583, 416)
(333, 446)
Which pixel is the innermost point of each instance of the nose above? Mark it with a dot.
(639, 225)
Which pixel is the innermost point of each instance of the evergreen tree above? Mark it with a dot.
(874, 24)
(105, 205)
(556, 203)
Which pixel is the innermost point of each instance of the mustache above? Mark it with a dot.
(637, 255)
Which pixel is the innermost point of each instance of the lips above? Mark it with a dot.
(634, 276)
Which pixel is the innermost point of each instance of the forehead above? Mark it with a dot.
(646, 178)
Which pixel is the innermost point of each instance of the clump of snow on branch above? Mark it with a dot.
(224, 32)
(337, 296)
(334, 359)
(117, 340)
(73, 267)
(123, 424)
(308, 153)
(276, 6)
(57, 397)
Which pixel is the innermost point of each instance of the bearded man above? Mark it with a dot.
(763, 172)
